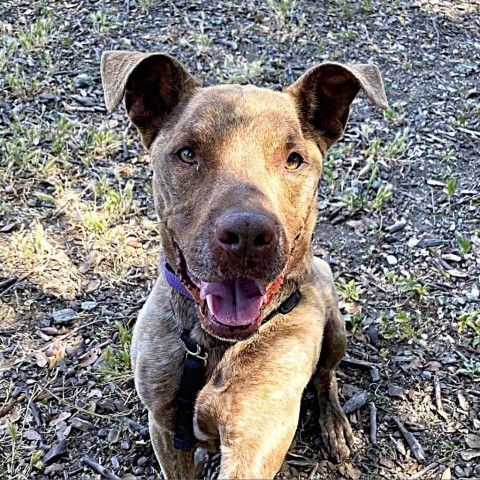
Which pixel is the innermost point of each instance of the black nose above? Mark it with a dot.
(249, 233)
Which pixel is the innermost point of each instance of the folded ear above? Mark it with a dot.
(153, 85)
(324, 93)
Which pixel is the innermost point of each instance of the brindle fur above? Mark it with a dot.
(250, 405)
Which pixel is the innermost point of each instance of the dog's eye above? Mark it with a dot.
(186, 155)
(294, 161)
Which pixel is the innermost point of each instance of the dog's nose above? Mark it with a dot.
(249, 232)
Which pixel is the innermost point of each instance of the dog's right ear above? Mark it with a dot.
(153, 85)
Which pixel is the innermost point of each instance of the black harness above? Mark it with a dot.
(193, 379)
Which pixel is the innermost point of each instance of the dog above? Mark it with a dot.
(242, 315)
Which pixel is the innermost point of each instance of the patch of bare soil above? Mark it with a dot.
(399, 222)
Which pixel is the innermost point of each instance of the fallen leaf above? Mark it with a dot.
(473, 441)
(433, 366)
(447, 474)
(55, 352)
(6, 365)
(462, 401)
(14, 415)
(92, 285)
(32, 434)
(134, 243)
(90, 357)
(350, 308)
(50, 330)
(87, 264)
(413, 468)
(385, 462)
(61, 417)
(40, 359)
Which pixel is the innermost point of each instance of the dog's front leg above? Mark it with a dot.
(255, 420)
(252, 402)
(337, 434)
(174, 463)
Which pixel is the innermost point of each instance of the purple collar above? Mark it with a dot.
(174, 281)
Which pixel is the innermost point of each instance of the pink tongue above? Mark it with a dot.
(233, 303)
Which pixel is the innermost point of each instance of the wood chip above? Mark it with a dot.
(356, 402)
(413, 443)
(66, 315)
(373, 423)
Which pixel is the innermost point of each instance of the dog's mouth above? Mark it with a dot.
(232, 309)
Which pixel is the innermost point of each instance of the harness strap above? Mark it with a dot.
(193, 379)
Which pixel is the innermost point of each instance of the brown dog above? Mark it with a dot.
(235, 180)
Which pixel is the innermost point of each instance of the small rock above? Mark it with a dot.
(115, 463)
(451, 257)
(457, 273)
(88, 305)
(80, 424)
(83, 80)
(395, 390)
(459, 471)
(391, 259)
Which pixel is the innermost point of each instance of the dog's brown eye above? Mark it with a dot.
(186, 155)
(294, 161)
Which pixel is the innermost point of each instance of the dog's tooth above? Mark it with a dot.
(209, 299)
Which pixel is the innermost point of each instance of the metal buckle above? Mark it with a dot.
(197, 353)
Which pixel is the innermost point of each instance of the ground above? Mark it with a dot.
(399, 222)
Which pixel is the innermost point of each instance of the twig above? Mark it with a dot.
(9, 405)
(75, 330)
(76, 407)
(313, 472)
(359, 363)
(104, 472)
(434, 23)
(33, 408)
(415, 447)
(17, 281)
(438, 398)
(373, 423)
(140, 428)
(422, 472)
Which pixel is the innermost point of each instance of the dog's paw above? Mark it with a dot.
(337, 437)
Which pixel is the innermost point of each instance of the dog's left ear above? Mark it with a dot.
(324, 93)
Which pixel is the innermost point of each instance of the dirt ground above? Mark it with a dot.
(399, 222)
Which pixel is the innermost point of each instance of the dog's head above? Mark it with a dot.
(236, 170)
